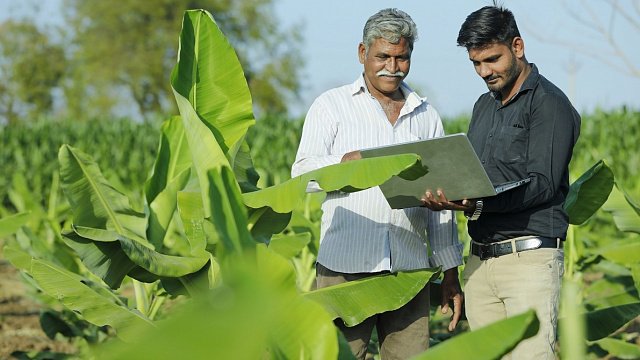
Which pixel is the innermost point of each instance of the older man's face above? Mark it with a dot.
(385, 65)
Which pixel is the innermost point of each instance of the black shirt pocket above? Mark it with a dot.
(513, 145)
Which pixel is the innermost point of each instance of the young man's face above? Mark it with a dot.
(497, 64)
(385, 65)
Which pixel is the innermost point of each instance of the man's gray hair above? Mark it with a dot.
(391, 25)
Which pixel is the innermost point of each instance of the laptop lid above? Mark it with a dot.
(452, 165)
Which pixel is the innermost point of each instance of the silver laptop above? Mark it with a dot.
(452, 165)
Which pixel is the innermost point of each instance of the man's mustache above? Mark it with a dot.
(387, 73)
(491, 77)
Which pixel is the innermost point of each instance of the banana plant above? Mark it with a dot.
(599, 318)
(202, 193)
(626, 215)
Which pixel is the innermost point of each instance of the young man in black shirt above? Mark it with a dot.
(524, 127)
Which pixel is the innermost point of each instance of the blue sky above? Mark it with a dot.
(441, 71)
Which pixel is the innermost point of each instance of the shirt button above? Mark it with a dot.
(483, 161)
(490, 135)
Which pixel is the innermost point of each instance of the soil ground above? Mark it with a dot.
(20, 318)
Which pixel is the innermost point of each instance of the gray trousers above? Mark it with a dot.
(402, 333)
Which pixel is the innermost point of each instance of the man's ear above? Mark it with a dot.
(361, 53)
(517, 46)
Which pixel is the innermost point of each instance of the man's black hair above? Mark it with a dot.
(487, 26)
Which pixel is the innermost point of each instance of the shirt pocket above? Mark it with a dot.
(513, 145)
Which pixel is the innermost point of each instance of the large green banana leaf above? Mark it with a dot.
(635, 274)
(162, 209)
(355, 301)
(626, 213)
(300, 223)
(98, 306)
(487, 343)
(625, 252)
(170, 175)
(289, 246)
(10, 224)
(352, 175)
(161, 264)
(111, 261)
(214, 100)
(205, 149)
(198, 230)
(265, 222)
(610, 291)
(172, 159)
(99, 210)
(256, 314)
(196, 283)
(209, 75)
(246, 174)
(38, 246)
(603, 322)
(104, 259)
(588, 193)
(314, 335)
(207, 328)
(275, 270)
(619, 349)
(228, 214)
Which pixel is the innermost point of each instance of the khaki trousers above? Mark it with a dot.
(402, 333)
(508, 285)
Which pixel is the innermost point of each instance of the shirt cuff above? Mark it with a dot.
(448, 257)
(313, 186)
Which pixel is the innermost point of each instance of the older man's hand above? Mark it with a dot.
(451, 292)
(353, 155)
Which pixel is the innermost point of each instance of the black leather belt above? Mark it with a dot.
(487, 251)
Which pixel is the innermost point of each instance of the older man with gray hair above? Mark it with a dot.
(361, 235)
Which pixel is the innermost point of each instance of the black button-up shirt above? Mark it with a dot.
(532, 135)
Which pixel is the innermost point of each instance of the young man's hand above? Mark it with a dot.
(439, 202)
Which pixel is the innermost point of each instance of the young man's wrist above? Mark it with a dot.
(474, 214)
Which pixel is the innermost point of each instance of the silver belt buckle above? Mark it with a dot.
(528, 244)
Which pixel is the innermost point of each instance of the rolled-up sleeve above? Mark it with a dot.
(442, 233)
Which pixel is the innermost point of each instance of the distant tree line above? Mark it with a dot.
(108, 57)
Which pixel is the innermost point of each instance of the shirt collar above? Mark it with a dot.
(531, 80)
(412, 99)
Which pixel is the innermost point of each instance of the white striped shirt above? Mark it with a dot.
(359, 231)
